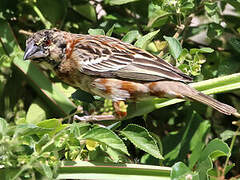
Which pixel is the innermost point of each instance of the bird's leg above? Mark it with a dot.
(120, 109)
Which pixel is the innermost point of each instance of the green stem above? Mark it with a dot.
(42, 18)
(231, 147)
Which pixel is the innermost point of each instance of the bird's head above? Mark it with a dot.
(46, 45)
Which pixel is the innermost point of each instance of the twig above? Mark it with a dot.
(27, 33)
(92, 118)
(181, 28)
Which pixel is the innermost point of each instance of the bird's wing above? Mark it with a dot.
(109, 57)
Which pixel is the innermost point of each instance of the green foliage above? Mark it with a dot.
(39, 137)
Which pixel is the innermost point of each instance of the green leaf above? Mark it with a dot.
(227, 134)
(181, 172)
(3, 127)
(201, 50)
(235, 43)
(190, 136)
(215, 149)
(185, 6)
(96, 32)
(66, 89)
(78, 129)
(29, 129)
(44, 140)
(60, 9)
(158, 18)
(212, 151)
(214, 30)
(54, 124)
(211, 7)
(110, 31)
(195, 156)
(36, 112)
(120, 2)
(44, 87)
(87, 10)
(47, 170)
(141, 138)
(131, 36)
(83, 96)
(106, 137)
(144, 40)
(203, 167)
(115, 155)
(197, 141)
(174, 46)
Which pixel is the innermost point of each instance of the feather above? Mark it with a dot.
(115, 59)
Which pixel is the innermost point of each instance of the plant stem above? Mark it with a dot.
(231, 147)
(42, 18)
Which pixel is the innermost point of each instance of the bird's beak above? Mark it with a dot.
(34, 52)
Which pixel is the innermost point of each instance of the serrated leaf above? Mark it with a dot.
(144, 40)
(107, 137)
(131, 36)
(141, 138)
(175, 47)
(96, 32)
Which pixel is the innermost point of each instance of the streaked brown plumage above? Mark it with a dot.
(110, 68)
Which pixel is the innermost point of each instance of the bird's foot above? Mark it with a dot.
(120, 109)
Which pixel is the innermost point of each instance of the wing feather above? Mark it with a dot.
(111, 57)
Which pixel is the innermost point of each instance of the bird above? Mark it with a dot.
(107, 67)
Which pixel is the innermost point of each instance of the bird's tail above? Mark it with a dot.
(221, 107)
(181, 90)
